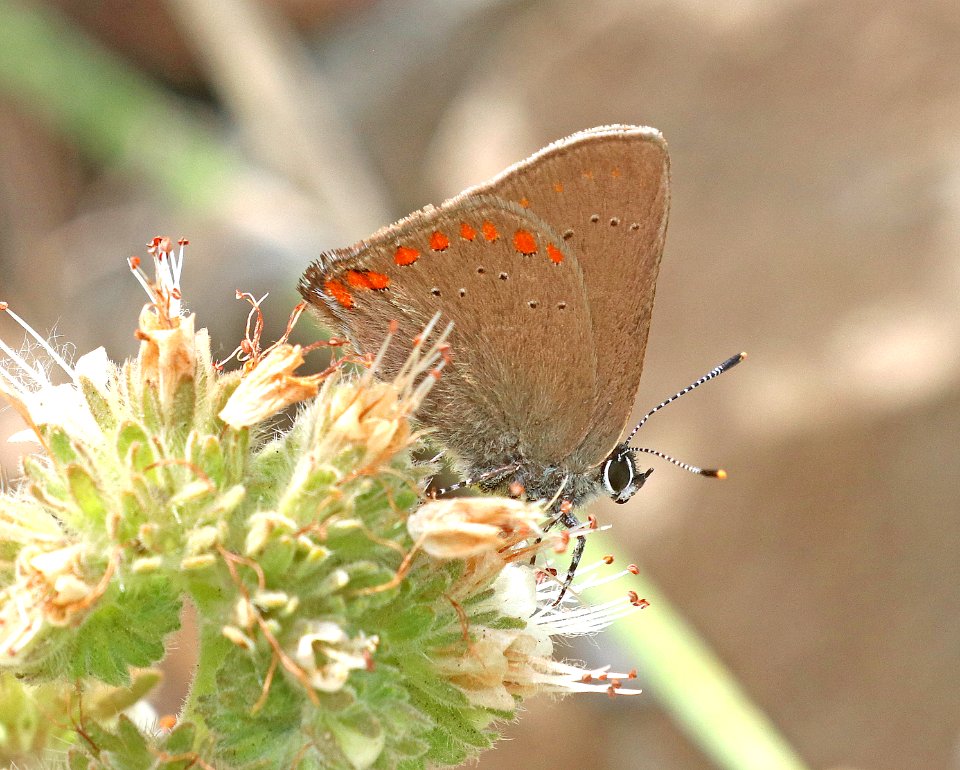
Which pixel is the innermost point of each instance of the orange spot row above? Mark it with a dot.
(523, 241)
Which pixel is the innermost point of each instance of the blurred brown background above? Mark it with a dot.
(816, 194)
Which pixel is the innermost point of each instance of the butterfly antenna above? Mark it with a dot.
(716, 473)
(712, 374)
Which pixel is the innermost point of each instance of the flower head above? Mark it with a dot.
(363, 626)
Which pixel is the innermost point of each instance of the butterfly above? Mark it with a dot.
(547, 273)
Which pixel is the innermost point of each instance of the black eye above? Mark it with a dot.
(618, 473)
(620, 476)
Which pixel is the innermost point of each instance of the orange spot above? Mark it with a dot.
(405, 255)
(489, 230)
(378, 281)
(524, 202)
(558, 187)
(524, 242)
(439, 241)
(367, 279)
(339, 292)
(467, 232)
(556, 256)
(615, 172)
(357, 279)
(167, 722)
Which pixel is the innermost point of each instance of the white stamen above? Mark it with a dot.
(43, 343)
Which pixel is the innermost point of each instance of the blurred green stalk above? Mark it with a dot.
(692, 684)
(116, 115)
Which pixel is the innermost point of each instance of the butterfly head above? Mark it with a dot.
(620, 475)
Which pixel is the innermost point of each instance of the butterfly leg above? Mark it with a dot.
(570, 522)
(546, 528)
(495, 472)
(572, 569)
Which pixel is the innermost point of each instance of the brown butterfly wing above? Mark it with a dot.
(607, 190)
(522, 384)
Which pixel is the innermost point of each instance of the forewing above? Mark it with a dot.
(522, 382)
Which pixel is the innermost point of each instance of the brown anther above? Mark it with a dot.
(134, 262)
(608, 559)
(616, 684)
(633, 596)
(592, 521)
(183, 242)
(545, 574)
(563, 541)
(586, 678)
(633, 569)
(394, 326)
(602, 677)
(566, 506)
(167, 722)
(641, 603)
(632, 673)
(435, 373)
(160, 246)
(612, 692)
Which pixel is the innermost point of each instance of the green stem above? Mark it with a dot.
(696, 688)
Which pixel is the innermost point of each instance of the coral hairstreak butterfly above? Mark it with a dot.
(547, 273)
